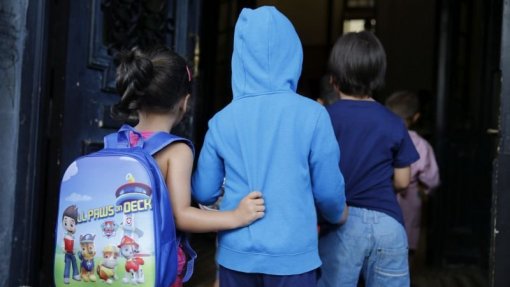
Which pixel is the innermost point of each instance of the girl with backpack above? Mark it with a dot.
(155, 85)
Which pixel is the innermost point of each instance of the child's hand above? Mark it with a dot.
(402, 192)
(345, 215)
(250, 208)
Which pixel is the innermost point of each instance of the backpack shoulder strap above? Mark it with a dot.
(120, 139)
(110, 141)
(160, 140)
(152, 145)
(191, 255)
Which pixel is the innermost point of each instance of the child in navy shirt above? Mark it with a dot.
(376, 155)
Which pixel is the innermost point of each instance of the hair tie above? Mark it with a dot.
(189, 73)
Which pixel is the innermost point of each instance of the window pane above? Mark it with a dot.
(354, 25)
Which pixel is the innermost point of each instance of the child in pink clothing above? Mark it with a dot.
(424, 172)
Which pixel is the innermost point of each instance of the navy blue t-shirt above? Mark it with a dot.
(373, 141)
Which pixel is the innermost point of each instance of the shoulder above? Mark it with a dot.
(180, 146)
(305, 105)
(392, 122)
(176, 156)
(220, 116)
(307, 102)
(301, 104)
(288, 102)
(176, 151)
(416, 138)
(390, 116)
(371, 111)
(310, 111)
(420, 143)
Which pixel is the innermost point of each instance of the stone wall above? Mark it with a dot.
(12, 34)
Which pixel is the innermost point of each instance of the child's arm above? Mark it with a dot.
(405, 154)
(429, 173)
(327, 180)
(179, 160)
(401, 178)
(210, 172)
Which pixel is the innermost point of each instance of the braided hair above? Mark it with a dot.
(153, 80)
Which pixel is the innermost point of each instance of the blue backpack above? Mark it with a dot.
(115, 221)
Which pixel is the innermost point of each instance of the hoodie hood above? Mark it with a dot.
(267, 53)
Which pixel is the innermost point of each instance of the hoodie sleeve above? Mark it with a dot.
(327, 180)
(208, 177)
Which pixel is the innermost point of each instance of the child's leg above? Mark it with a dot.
(307, 279)
(67, 265)
(411, 210)
(343, 251)
(387, 263)
(76, 274)
(231, 278)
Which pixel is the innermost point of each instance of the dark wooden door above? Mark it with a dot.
(500, 228)
(97, 29)
(466, 117)
(84, 36)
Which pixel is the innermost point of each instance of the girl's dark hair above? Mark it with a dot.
(358, 64)
(152, 80)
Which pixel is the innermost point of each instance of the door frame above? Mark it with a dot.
(500, 232)
(27, 221)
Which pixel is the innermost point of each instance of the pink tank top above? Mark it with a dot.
(134, 138)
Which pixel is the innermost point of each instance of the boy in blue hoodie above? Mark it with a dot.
(270, 139)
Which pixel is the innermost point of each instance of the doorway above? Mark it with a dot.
(448, 52)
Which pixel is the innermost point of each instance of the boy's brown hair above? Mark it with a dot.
(357, 64)
(404, 103)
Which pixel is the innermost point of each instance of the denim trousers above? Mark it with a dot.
(370, 243)
(70, 259)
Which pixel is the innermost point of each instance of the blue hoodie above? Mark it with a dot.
(273, 140)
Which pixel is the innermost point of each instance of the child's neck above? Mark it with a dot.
(355, 98)
(155, 122)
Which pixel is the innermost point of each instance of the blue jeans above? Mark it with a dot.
(371, 243)
(70, 259)
(232, 278)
